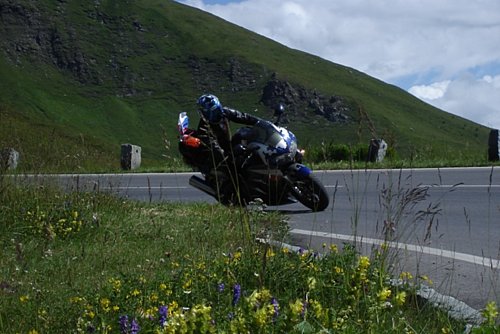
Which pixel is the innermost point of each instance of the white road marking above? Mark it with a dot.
(140, 187)
(491, 263)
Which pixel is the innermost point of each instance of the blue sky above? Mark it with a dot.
(446, 52)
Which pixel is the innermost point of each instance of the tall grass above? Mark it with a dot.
(95, 263)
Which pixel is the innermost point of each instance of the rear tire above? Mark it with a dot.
(310, 192)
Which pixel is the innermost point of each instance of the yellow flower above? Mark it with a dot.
(153, 297)
(24, 298)
(406, 276)
(261, 316)
(490, 312)
(296, 308)
(384, 294)
(364, 262)
(400, 298)
(311, 283)
(334, 248)
(75, 300)
(426, 279)
(316, 307)
(270, 253)
(136, 293)
(338, 270)
(115, 283)
(105, 303)
(74, 214)
(187, 286)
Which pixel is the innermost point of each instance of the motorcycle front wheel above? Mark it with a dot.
(310, 192)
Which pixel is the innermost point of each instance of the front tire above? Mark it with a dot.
(310, 192)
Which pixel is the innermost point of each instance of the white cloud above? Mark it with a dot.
(471, 98)
(409, 43)
(430, 92)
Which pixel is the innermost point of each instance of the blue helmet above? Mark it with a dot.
(210, 108)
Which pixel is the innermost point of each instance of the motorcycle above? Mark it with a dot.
(268, 166)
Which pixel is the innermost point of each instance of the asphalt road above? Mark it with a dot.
(446, 221)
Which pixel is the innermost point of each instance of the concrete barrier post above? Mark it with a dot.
(377, 150)
(130, 157)
(494, 146)
(9, 158)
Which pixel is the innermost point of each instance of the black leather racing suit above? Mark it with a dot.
(221, 156)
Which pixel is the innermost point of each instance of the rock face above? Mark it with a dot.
(64, 37)
(29, 33)
(299, 100)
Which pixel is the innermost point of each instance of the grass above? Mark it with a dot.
(91, 262)
(113, 74)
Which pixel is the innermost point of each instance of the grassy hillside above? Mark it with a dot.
(85, 77)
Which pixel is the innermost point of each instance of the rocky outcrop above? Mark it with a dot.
(300, 101)
(28, 34)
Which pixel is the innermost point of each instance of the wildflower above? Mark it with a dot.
(426, 279)
(134, 327)
(276, 308)
(187, 286)
(490, 312)
(400, 298)
(116, 284)
(136, 293)
(124, 324)
(105, 303)
(154, 297)
(297, 308)
(384, 294)
(237, 255)
(220, 287)
(261, 317)
(24, 298)
(364, 262)
(406, 276)
(163, 312)
(236, 294)
(270, 253)
(334, 248)
(311, 283)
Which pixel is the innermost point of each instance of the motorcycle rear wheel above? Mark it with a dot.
(310, 192)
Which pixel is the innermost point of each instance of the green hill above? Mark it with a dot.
(80, 78)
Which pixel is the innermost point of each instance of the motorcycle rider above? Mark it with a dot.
(214, 124)
(224, 151)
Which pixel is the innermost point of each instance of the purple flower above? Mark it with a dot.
(236, 294)
(276, 307)
(163, 312)
(135, 328)
(220, 287)
(124, 325)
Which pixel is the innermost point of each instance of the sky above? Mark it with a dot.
(445, 52)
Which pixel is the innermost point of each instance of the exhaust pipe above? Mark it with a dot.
(202, 185)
